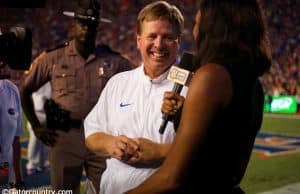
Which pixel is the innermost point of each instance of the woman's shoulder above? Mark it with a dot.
(213, 80)
(213, 72)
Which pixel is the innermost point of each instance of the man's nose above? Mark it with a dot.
(158, 42)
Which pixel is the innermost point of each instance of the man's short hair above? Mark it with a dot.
(161, 9)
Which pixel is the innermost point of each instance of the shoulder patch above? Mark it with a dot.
(26, 72)
(42, 54)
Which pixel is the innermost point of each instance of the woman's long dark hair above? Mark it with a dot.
(232, 32)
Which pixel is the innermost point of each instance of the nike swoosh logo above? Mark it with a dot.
(123, 105)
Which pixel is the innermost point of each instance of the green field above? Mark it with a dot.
(274, 172)
(270, 173)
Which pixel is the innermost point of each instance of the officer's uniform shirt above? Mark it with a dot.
(130, 105)
(10, 122)
(76, 83)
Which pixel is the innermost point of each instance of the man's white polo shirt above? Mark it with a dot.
(130, 105)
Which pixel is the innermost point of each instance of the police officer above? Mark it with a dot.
(78, 71)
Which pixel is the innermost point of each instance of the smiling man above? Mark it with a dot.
(124, 123)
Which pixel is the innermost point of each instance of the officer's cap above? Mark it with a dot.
(87, 10)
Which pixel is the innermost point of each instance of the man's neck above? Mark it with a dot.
(155, 73)
(85, 49)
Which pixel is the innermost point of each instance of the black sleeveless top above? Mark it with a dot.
(222, 158)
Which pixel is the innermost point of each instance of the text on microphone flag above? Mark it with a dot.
(179, 75)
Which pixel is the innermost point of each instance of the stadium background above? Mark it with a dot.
(267, 168)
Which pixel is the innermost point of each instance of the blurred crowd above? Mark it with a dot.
(283, 21)
(50, 26)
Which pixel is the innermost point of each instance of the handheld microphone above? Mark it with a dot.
(181, 75)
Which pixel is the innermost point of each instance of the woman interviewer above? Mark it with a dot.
(222, 112)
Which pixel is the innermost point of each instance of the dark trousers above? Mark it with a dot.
(69, 157)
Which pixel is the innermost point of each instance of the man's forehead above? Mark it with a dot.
(158, 26)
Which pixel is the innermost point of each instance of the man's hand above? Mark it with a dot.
(47, 136)
(172, 102)
(149, 152)
(122, 148)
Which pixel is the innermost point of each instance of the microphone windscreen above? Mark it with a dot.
(187, 61)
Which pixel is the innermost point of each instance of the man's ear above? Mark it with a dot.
(138, 39)
(179, 41)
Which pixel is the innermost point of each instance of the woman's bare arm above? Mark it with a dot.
(210, 91)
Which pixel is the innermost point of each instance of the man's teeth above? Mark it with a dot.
(159, 54)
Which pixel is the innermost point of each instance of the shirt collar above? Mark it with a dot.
(157, 80)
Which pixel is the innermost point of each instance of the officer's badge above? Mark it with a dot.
(100, 71)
